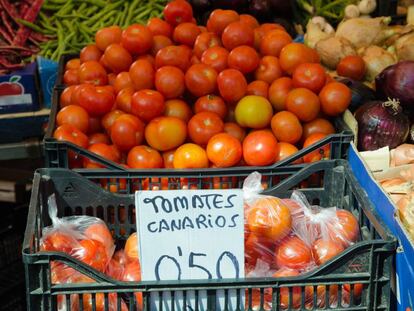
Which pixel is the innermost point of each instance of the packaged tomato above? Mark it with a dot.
(85, 238)
(322, 227)
(267, 221)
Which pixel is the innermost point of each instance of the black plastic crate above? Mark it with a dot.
(367, 262)
(57, 152)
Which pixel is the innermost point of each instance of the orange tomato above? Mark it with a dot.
(317, 155)
(294, 54)
(100, 232)
(278, 92)
(285, 150)
(335, 98)
(249, 20)
(165, 133)
(205, 41)
(75, 116)
(190, 156)
(107, 36)
(159, 27)
(269, 69)
(259, 88)
(310, 76)
(204, 125)
(286, 127)
(303, 103)
(117, 58)
(220, 19)
(179, 109)
(224, 150)
(274, 41)
(122, 81)
(144, 157)
(317, 126)
(131, 248)
(270, 218)
(159, 42)
(186, 33)
(324, 250)
(344, 230)
(234, 130)
(137, 39)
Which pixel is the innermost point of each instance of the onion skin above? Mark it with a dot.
(397, 81)
(380, 125)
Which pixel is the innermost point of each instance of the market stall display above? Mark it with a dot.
(89, 199)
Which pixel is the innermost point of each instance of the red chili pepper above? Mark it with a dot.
(23, 33)
(10, 9)
(6, 36)
(6, 23)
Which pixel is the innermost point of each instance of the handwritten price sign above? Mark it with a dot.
(190, 235)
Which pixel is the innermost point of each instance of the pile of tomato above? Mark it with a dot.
(284, 240)
(177, 95)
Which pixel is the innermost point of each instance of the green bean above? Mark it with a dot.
(131, 11)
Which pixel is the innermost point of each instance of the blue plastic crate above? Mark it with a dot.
(404, 262)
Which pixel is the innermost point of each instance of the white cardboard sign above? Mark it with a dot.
(190, 235)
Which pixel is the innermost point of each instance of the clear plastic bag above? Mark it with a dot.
(85, 238)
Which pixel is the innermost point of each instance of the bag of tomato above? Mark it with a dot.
(85, 238)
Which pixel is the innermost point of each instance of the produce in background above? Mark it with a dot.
(173, 85)
(70, 25)
(289, 237)
(17, 42)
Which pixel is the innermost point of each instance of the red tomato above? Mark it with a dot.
(73, 115)
(124, 98)
(169, 81)
(186, 33)
(285, 150)
(205, 41)
(258, 88)
(98, 138)
(122, 81)
(258, 247)
(293, 253)
(216, 57)
(249, 20)
(234, 130)
(159, 27)
(224, 150)
(65, 98)
(57, 241)
(168, 158)
(352, 67)
(357, 292)
(195, 60)
(274, 41)
(147, 57)
(144, 157)
(190, 156)
(117, 58)
(204, 125)
(345, 230)
(92, 72)
(132, 273)
(96, 102)
(101, 233)
(127, 131)
(70, 133)
(270, 218)
(211, 103)
(165, 133)
(104, 37)
(220, 19)
(159, 42)
(335, 98)
(94, 125)
(93, 253)
(243, 58)
(73, 63)
(269, 69)
(179, 109)
(105, 151)
(177, 12)
(232, 85)
(137, 39)
(324, 250)
(278, 92)
(317, 155)
(236, 34)
(317, 126)
(147, 104)
(286, 127)
(303, 103)
(178, 56)
(259, 148)
(71, 77)
(90, 52)
(310, 76)
(294, 54)
(200, 79)
(142, 74)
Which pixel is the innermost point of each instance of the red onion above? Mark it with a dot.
(397, 81)
(381, 124)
